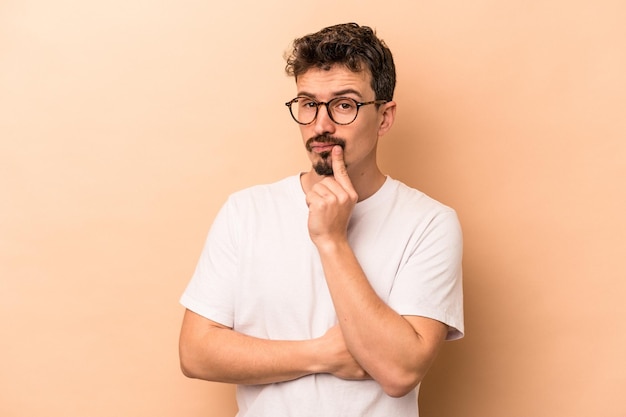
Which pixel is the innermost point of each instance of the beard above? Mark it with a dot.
(324, 166)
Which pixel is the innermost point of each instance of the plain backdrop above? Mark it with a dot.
(124, 125)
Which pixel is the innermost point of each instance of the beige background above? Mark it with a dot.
(125, 124)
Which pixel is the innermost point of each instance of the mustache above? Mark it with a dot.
(325, 139)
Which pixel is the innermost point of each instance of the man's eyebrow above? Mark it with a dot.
(339, 93)
(348, 91)
(305, 94)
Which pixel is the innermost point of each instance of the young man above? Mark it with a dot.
(328, 293)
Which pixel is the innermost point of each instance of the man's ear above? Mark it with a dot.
(388, 116)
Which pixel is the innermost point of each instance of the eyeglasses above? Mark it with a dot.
(341, 110)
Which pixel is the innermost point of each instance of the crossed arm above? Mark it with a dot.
(371, 341)
(213, 352)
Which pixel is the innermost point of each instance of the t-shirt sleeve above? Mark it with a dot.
(210, 291)
(429, 283)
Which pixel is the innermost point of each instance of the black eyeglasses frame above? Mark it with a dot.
(358, 105)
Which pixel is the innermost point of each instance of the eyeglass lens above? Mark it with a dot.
(341, 110)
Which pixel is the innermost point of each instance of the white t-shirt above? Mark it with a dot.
(260, 274)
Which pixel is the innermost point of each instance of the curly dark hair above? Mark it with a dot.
(353, 46)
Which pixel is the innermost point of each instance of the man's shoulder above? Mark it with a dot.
(416, 197)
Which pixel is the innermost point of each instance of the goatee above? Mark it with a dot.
(324, 166)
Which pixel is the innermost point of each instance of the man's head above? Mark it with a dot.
(355, 47)
(345, 79)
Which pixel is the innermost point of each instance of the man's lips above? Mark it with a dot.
(322, 147)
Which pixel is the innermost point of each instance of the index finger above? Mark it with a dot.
(340, 172)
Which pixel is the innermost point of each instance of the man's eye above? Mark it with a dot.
(307, 104)
(344, 105)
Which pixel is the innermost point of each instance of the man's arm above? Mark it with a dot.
(213, 352)
(395, 350)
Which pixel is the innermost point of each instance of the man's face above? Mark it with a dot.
(359, 139)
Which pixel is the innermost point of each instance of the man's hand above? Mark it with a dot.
(331, 202)
(340, 362)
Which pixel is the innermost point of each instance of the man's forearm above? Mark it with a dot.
(384, 343)
(217, 353)
(213, 352)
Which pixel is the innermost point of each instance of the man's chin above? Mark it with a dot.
(323, 166)
(323, 169)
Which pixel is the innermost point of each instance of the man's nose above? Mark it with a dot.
(323, 122)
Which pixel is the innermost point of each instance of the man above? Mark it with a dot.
(328, 293)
